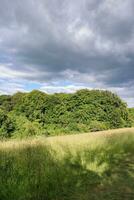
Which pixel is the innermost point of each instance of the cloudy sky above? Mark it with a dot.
(65, 45)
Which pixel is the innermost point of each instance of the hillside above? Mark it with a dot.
(38, 113)
(97, 166)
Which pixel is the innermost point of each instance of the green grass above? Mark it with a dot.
(94, 166)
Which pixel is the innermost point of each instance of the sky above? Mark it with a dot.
(66, 45)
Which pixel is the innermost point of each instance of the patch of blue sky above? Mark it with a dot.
(29, 85)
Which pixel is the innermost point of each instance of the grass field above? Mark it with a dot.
(88, 166)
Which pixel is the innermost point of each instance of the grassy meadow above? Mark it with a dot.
(88, 166)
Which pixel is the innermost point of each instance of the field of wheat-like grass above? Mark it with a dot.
(88, 166)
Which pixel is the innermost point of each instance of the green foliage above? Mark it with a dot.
(3, 117)
(131, 113)
(84, 110)
(5, 102)
(98, 126)
(31, 105)
(24, 127)
(6, 125)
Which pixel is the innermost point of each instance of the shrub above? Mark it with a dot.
(131, 115)
(7, 126)
(24, 127)
(98, 126)
(81, 111)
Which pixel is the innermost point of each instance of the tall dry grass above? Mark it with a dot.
(87, 166)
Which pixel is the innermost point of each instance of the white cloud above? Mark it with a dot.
(59, 89)
(11, 87)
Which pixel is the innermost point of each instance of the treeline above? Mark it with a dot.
(37, 113)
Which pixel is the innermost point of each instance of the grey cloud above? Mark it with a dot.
(92, 38)
(116, 18)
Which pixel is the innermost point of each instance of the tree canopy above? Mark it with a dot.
(52, 114)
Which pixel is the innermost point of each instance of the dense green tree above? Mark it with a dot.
(6, 125)
(31, 105)
(37, 112)
(5, 102)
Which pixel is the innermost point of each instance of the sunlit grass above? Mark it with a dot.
(88, 166)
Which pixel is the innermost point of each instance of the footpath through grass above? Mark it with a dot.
(94, 166)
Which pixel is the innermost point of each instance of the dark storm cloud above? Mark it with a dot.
(61, 39)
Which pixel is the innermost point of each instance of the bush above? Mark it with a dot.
(31, 129)
(7, 126)
(24, 127)
(98, 126)
(131, 115)
(81, 111)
